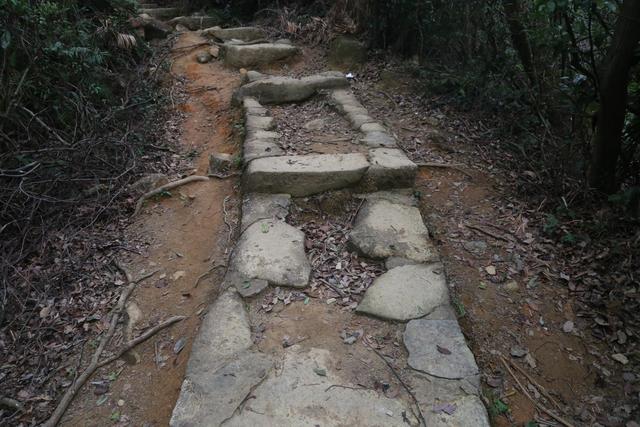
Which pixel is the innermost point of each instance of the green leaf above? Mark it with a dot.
(482, 285)
(115, 416)
(500, 406)
(264, 228)
(306, 301)
(102, 399)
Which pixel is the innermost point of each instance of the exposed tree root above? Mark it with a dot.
(167, 187)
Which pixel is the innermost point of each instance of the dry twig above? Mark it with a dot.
(423, 422)
(166, 187)
(95, 359)
(536, 403)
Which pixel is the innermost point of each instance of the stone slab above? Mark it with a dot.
(279, 90)
(273, 251)
(433, 392)
(196, 22)
(378, 139)
(400, 196)
(425, 340)
(257, 206)
(224, 333)
(255, 123)
(384, 229)
(406, 293)
(213, 398)
(258, 148)
(253, 107)
(161, 12)
(251, 287)
(390, 168)
(256, 54)
(246, 34)
(305, 175)
(299, 396)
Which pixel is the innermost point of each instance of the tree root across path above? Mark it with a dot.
(167, 187)
(95, 360)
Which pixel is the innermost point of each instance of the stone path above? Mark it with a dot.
(229, 380)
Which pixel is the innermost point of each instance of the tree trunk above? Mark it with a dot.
(614, 80)
(520, 39)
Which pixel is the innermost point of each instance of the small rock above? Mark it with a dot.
(204, 57)
(619, 357)
(178, 275)
(316, 124)
(120, 402)
(181, 28)
(511, 286)
(491, 270)
(518, 351)
(220, 163)
(476, 247)
(567, 328)
(530, 361)
(214, 51)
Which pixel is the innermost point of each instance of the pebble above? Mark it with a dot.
(567, 328)
(511, 286)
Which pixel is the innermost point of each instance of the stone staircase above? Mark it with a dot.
(229, 380)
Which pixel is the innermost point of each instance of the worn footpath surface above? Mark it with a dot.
(334, 308)
(180, 236)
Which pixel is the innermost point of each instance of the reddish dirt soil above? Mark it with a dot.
(181, 237)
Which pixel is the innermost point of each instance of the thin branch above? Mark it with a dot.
(166, 187)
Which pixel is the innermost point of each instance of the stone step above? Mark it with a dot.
(271, 250)
(305, 175)
(406, 292)
(162, 13)
(280, 90)
(249, 55)
(195, 23)
(384, 229)
(246, 34)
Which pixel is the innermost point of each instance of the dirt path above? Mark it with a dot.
(181, 237)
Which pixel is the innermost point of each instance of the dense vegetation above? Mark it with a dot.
(68, 85)
(566, 69)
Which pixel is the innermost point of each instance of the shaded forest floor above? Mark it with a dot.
(540, 280)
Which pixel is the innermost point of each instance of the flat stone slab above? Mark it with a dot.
(273, 251)
(237, 55)
(161, 12)
(429, 343)
(255, 123)
(378, 139)
(257, 206)
(279, 90)
(196, 22)
(257, 148)
(390, 168)
(299, 396)
(406, 293)
(433, 394)
(224, 333)
(400, 196)
(253, 107)
(305, 175)
(246, 34)
(384, 229)
(470, 412)
(209, 402)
